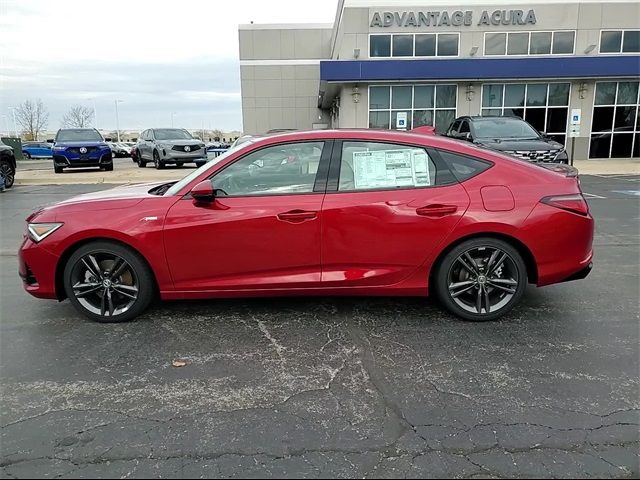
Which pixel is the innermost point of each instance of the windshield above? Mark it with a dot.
(176, 187)
(503, 128)
(172, 134)
(78, 135)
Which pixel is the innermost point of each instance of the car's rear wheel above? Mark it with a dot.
(27, 155)
(481, 279)
(108, 168)
(156, 160)
(8, 173)
(108, 282)
(179, 164)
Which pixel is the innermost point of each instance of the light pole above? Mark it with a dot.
(95, 113)
(117, 120)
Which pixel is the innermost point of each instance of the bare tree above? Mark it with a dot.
(32, 117)
(217, 135)
(78, 117)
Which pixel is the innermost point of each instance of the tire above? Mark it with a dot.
(27, 155)
(8, 172)
(199, 164)
(58, 169)
(179, 164)
(156, 160)
(498, 281)
(135, 279)
(108, 168)
(142, 163)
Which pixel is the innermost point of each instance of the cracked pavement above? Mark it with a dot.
(329, 387)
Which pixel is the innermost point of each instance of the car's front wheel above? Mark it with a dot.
(8, 173)
(156, 160)
(481, 279)
(27, 155)
(108, 282)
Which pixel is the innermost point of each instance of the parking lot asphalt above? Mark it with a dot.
(348, 387)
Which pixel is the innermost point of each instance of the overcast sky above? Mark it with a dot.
(158, 57)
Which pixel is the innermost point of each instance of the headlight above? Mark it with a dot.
(40, 231)
(562, 156)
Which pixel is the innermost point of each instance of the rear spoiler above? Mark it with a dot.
(562, 168)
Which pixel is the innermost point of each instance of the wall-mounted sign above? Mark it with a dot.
(401, 121)
(457, 18)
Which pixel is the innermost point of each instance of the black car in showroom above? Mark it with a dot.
(7, 164)
(510, 135)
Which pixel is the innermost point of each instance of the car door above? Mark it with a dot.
(263, 229)
(387, 209)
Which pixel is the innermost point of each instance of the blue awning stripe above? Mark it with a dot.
(481, 68)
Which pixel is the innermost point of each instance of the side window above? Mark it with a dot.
(376, 166)
(143, 136)
(462, 166)
(464, 128)
(276, 170)
(454, 127)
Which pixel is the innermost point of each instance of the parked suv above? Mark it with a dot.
(510, 135)
(7, 164)
(81, 147)
(162, 146)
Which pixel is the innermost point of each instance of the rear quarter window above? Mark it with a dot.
(464, 167)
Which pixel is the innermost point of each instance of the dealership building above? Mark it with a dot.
(570, 68)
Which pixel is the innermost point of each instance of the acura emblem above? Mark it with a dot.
(187, 148)
(83, 149)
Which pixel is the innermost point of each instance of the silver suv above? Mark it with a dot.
(161, 146)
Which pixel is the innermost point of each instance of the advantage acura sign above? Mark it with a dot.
(457, 18)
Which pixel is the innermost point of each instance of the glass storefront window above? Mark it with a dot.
(495, 44)
(544, 105)
(518, 44)
(447, 45)
(402, 46)
(540, 43)
(529, 43)
(615, 125)
(610, 41)
(433, 105)
(631, 41)
(426, 45)
(563, 43)
(380, 46)
(620, 41)
(414, 45)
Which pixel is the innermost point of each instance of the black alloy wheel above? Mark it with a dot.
(481, 279)
(108, 282)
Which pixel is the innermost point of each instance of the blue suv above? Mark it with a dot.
(80, 148)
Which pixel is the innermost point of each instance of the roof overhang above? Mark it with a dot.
(470, 69)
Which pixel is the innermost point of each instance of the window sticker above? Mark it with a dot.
(391, 169)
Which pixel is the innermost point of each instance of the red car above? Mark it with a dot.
(345, 212)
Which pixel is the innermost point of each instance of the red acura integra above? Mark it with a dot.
(345, 212)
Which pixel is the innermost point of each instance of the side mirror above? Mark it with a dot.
(203, 192)
(108, 139)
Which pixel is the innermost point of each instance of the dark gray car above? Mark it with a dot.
(162, 146)
(510, 135)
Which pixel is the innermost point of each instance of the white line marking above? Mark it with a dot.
(592, 195)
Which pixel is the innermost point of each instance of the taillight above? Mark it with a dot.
(572, 203)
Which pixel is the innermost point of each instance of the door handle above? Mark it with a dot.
(436, 210)
(297, 216)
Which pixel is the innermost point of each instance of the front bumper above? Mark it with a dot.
(37, 268)
(78, 161)
(169, 155)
